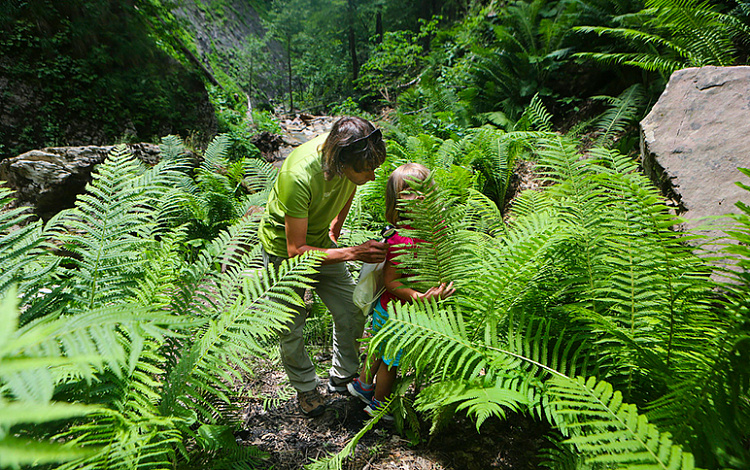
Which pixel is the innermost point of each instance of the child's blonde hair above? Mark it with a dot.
(398, 183)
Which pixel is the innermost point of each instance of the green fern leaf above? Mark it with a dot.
(15, 453)
(242, 316)
(442, 257)
(624, 111)
(610, 431)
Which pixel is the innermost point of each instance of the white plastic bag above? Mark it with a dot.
(370, 286)
(371, 283)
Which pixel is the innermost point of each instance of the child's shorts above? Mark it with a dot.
(379, 317)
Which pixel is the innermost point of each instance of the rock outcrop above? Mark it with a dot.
(233, 32)
(695, 138)
(49, 179)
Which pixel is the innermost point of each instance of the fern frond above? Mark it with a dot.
(31, 380)
(433, 339)
(649, 62)
(240, 317)
(18, 242)
(172, 147)
(624, 110)
(259, 175)
(486, 153)
(26, 261)
(635, 35)
(218, 195)
(15, 453)
(129, 439)
(483, 214)
(215, 156)
(672, 34)
(97, 336)
(609, 431)
(229, 247)
(130, 432)
(441, 256)
(223, 451)
(447, 154)
(481, 400)
(702, 29)
(537, 115)
(640, 269)
(514, 272)
(530, 202)
(106, 231)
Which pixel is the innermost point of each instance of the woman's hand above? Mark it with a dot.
(370, 251)
(440, 292)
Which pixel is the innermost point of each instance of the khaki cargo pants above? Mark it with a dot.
(335, 286)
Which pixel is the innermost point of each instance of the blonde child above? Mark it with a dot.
(384, 369)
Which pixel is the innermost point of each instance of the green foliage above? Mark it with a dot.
(18, 241)
(230, 112)
(220, 192)
(434, 109)
(443, 256)
(335, 49)
(265, 122)
(586, 280)
(578, 305)
(479, 159)
(135, 350)
(394, 63)
(89, 71)
(349, 107)
(609, 431)
(671, 34)
(35, 370)
(624, 111)
(528, 50)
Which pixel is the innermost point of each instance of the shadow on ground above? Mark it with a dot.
(275, 425)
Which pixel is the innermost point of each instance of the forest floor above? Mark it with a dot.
(275, 425)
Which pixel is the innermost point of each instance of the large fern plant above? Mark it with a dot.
(583, 308)
(218, 192)
(671, 34)
(529, 49)
(129, 353)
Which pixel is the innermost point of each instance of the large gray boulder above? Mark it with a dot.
(49, 179)
(695, 138)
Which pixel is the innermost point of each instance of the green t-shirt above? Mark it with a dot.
(302, 191)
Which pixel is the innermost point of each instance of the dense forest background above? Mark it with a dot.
(130, 322)
(97, 72)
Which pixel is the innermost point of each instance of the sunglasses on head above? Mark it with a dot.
(359, 145)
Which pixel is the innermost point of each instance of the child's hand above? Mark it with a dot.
(442, 291)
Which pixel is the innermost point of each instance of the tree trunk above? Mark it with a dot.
(379, 27)
(289, 70)
(353, 42)
(353, 52)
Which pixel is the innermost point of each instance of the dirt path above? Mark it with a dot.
(275, 425)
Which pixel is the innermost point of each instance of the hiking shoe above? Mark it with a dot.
(337, 384)
(358, 390)
(311, 403)
(376, 407)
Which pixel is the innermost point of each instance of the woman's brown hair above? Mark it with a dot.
(397, 183)
(355, 143)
